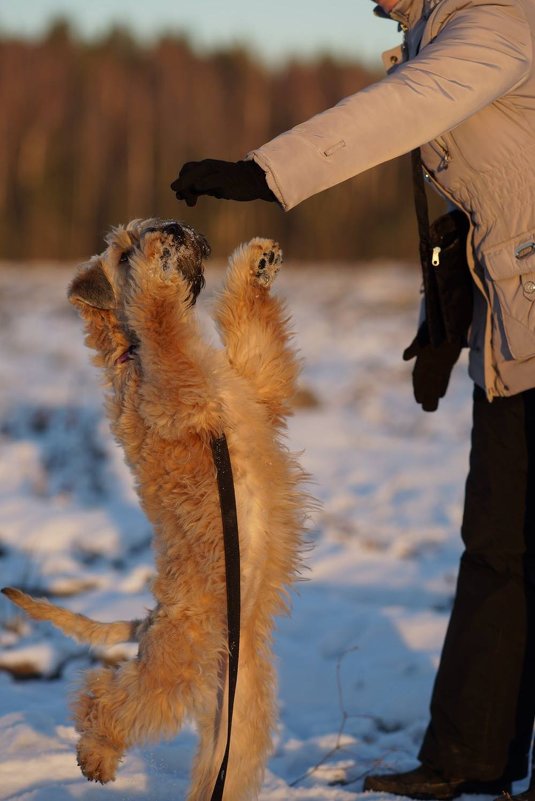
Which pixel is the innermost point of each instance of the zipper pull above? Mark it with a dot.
(444, 164)
(435, 260)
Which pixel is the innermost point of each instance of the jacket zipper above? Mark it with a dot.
(446, 155)
(488, 367)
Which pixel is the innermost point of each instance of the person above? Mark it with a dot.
(462, 88)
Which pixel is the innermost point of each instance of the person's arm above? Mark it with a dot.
(482, 53)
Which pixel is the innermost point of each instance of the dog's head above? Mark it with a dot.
(101, 283)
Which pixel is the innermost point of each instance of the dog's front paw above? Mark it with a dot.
(266, 260)
(159, 286)
(160, 266)
(97, 758)
(167, 267)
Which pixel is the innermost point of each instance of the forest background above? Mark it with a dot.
(93, 132)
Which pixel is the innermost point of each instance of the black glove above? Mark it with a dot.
(231, 180)
(432, 370)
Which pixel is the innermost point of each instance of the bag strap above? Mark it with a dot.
(229, 518)
(433, 311)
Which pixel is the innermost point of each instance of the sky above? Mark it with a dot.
(275, 30)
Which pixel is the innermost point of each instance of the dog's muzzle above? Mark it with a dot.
(171, 228)
(187, 251)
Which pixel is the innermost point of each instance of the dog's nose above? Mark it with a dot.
(174, 229)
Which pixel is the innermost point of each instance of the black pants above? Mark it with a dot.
(483, 702)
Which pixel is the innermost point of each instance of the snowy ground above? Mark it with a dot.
(357, 657)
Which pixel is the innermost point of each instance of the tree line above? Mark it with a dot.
(92, 134)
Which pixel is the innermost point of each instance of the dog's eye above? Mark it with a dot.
(125, 256)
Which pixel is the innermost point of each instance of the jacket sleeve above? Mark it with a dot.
(481, 53)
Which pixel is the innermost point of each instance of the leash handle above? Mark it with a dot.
(229, 518)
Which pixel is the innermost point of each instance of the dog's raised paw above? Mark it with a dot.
(267, 262)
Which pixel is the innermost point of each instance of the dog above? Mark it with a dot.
(170, 393)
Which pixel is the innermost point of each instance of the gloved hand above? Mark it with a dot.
(432, 369)
(240, 180)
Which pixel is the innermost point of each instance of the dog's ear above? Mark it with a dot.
(92, 288)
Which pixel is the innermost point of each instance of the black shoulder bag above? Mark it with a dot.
(448, 296)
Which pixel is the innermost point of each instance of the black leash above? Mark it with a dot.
(229, 517)
(433, 313)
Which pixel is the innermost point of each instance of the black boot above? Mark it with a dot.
(425, 783)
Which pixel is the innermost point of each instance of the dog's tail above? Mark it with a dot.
(80, 627)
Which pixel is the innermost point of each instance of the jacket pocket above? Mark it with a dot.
(332, 149)
(511, 269)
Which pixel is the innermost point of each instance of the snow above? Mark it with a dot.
(356, 659)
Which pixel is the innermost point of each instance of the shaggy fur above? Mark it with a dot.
(171, 393)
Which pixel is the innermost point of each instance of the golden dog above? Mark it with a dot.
(171, 393)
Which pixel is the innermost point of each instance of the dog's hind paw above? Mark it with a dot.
(266, 261)
(97, 758)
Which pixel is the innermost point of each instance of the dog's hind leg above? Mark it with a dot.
(212, 728)
(253, 723)
(117, 708)
(254, 326)
(252, 727)
(143, 699)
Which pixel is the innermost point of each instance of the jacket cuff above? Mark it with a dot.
(271, 180)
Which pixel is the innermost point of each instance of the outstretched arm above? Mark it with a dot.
(469, 63)
(475, 54)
